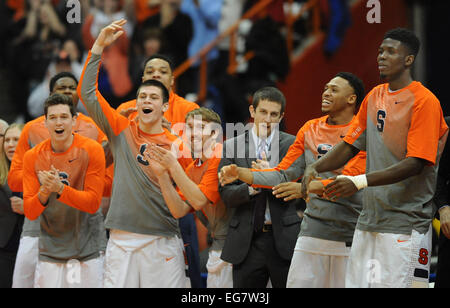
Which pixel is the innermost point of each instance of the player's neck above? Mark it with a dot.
(340, 118)
(400, 82)
(63, 145)
(151, 128)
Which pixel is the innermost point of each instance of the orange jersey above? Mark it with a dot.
(216, 214)
(392, 126)
(137, 204)
(81, 168)
(313, 141)
(178, 109)
(69, 223)
(324, 219)
(34, 132)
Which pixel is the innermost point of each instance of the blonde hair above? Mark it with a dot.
(207, 115)
(4, 161)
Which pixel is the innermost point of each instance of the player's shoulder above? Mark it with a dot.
(87, 143)
(313, 122)
(44, 145)
(126, 105)
(39, 121)
(423, 91)
(181, 102)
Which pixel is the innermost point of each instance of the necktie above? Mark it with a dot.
(262, 149)
(259, 211)
(260, 199)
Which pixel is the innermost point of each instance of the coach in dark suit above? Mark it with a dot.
(263, 230)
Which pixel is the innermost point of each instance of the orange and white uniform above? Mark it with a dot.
(392, 244)
(215, 217)
(69, 228)
(33, 133)
(323, 246)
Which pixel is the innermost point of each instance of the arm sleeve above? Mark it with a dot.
(106, 118)
(32, 207)
(356, 165)
(291, 167)
(425, 130)
(210, 182)
(88, 199)
(356, 135)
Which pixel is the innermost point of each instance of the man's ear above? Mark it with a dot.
(252, 111)
(165, 107)
(352, 99)
(74, 121)
(409, 60)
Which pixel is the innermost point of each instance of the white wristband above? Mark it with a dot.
(360, 181)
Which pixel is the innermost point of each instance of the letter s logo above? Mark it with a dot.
(381, 117)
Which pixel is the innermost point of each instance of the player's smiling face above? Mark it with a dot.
(335, 95)
(150, 104)
(67, 86)
(60, 122)
(158, 69)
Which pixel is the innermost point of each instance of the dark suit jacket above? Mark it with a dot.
(10, 222)
(285, 221)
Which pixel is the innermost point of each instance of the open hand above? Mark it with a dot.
(110, 33)
(288, 191)
(228, 174)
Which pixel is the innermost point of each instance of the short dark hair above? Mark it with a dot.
(59, 76)
(356, 84)
(162, 57)
(155, 83)
(59, 99)
(406, 37)
(271, 94)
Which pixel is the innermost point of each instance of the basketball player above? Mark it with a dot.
(401, 126)
(63, 181)
(145, 248)
(323, 246)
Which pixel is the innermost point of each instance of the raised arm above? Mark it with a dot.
(107, 118)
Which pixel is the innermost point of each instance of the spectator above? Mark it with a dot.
(36, 35)
(339, 21)
(231, 13)
(150, 42)
(62, 63)
(114, 79)
(177, 29)
(205, 16)
(11, 207)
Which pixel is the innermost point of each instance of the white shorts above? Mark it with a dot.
(73, 274)
(26, 261)
(144, 261)
(220, 273)
(387, 260)
(318, 263)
